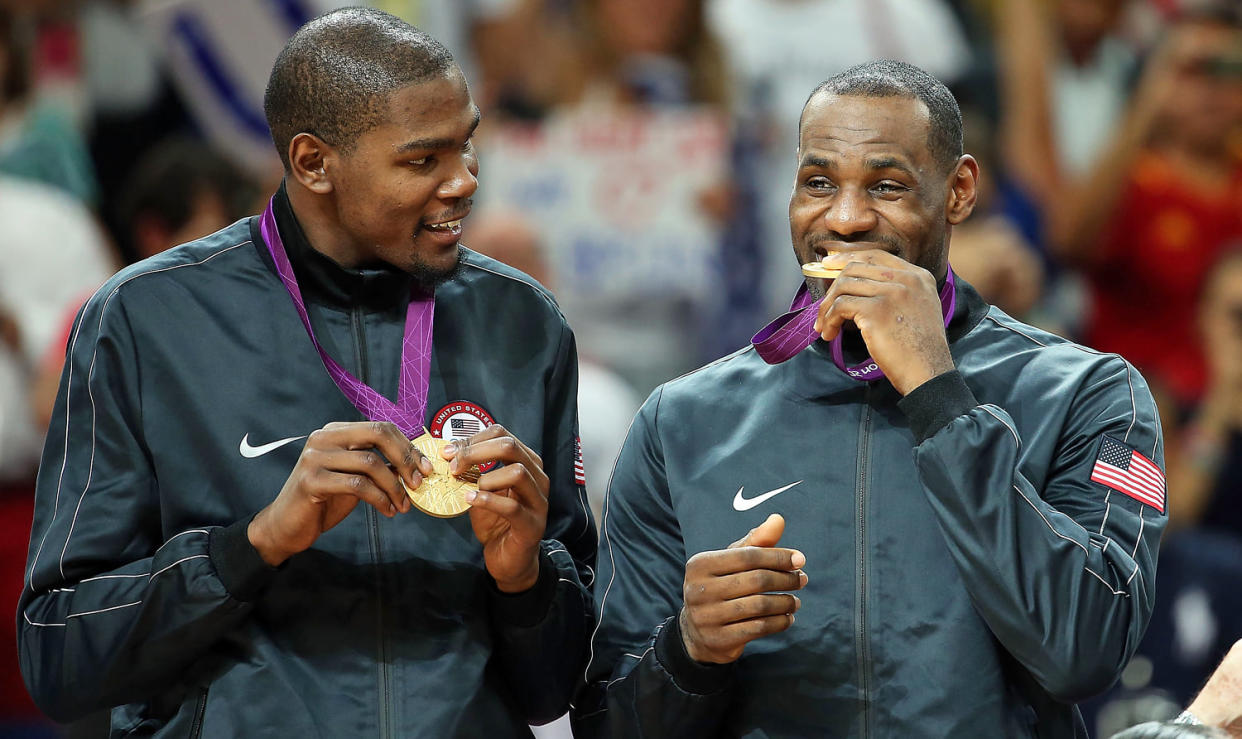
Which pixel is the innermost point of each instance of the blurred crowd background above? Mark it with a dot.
(637, 158)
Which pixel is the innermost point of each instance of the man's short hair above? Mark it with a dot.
(887, 78)
(334, 76)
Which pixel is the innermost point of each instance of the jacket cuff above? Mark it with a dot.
(701, 678)
(932, 405)
(237, 562)
(527, 608)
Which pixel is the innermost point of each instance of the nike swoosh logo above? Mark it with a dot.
(250, 452)
(745, 504)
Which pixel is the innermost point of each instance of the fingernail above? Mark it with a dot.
(453, 466)
(791, 619)
(816, 327)
(427, 466)
(797, 602)
(798, 559)
(450, 449)
(471, 495)
(392, 509)
(803, 578)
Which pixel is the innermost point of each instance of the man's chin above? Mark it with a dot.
(429, 276)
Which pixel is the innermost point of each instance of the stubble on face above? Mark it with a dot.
(428, 277)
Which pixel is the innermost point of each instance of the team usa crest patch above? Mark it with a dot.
(461, 419)
(1122, 468)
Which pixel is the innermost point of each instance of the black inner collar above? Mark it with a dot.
(323, 279)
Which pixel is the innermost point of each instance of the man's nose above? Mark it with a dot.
(463, 180)
(850, 214)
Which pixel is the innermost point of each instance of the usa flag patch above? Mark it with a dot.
(579, 470)
(1122, 468)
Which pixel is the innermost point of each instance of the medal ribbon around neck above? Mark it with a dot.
(794, 331)
(411, 406)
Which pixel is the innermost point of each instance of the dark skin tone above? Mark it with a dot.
(871, 200)
(395, 197)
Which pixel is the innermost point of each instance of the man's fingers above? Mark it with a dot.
(744, 632)
(748, 608)
(330, 483)
(381, 435)
(766, 534)
(371, 464)
(866, 257)
(492, 444)
(742, 584)
(502, 505)
(730, 561)
(518, 478)
(834, 314)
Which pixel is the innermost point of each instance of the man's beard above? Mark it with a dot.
(427, 278)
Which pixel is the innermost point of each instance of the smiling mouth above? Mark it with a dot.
(444, 226)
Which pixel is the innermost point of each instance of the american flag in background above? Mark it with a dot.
(579, 471)
(1123, 469)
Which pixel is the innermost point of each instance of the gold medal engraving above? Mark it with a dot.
(442, 493)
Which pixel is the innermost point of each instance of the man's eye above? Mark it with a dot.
(418, 162)
(889, 187)
(819, 183)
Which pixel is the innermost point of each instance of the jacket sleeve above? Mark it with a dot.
(114, 608)
(639, 680)
(542, 634)
(1061, 568)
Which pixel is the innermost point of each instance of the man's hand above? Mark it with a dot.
(510, 511)
(1220, 702)
(731, 594)
(341, 464)
(896, 307)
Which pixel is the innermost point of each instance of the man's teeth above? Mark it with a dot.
(446, 226)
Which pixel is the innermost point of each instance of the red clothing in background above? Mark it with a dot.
(1164, 237)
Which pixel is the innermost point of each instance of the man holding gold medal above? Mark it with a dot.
(953, 517)
(331, 365)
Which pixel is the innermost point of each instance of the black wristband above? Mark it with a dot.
(237, 562)
(701, 678)
(527, 608)
(932, 405)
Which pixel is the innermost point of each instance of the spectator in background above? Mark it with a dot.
(1205, 468)
(989, 250)
(39, 135)
(618, 175)
(1163, 204)
(1064, 72)
(606, 402)
(180, 191)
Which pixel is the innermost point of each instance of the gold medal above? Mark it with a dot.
(817, 269)
(442, 493)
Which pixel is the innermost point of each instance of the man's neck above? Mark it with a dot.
(322, 230)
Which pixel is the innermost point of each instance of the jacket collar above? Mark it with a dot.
(323, 280)
(970, 310)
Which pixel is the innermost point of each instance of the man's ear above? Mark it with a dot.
(310, 159)
(963, 190)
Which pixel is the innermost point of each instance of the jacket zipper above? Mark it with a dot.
(862, 643)
(196, 728)
(385, 679)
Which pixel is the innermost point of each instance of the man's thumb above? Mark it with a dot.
(766, 534)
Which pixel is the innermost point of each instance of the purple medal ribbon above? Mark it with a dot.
(794, 331)
(411, 407)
